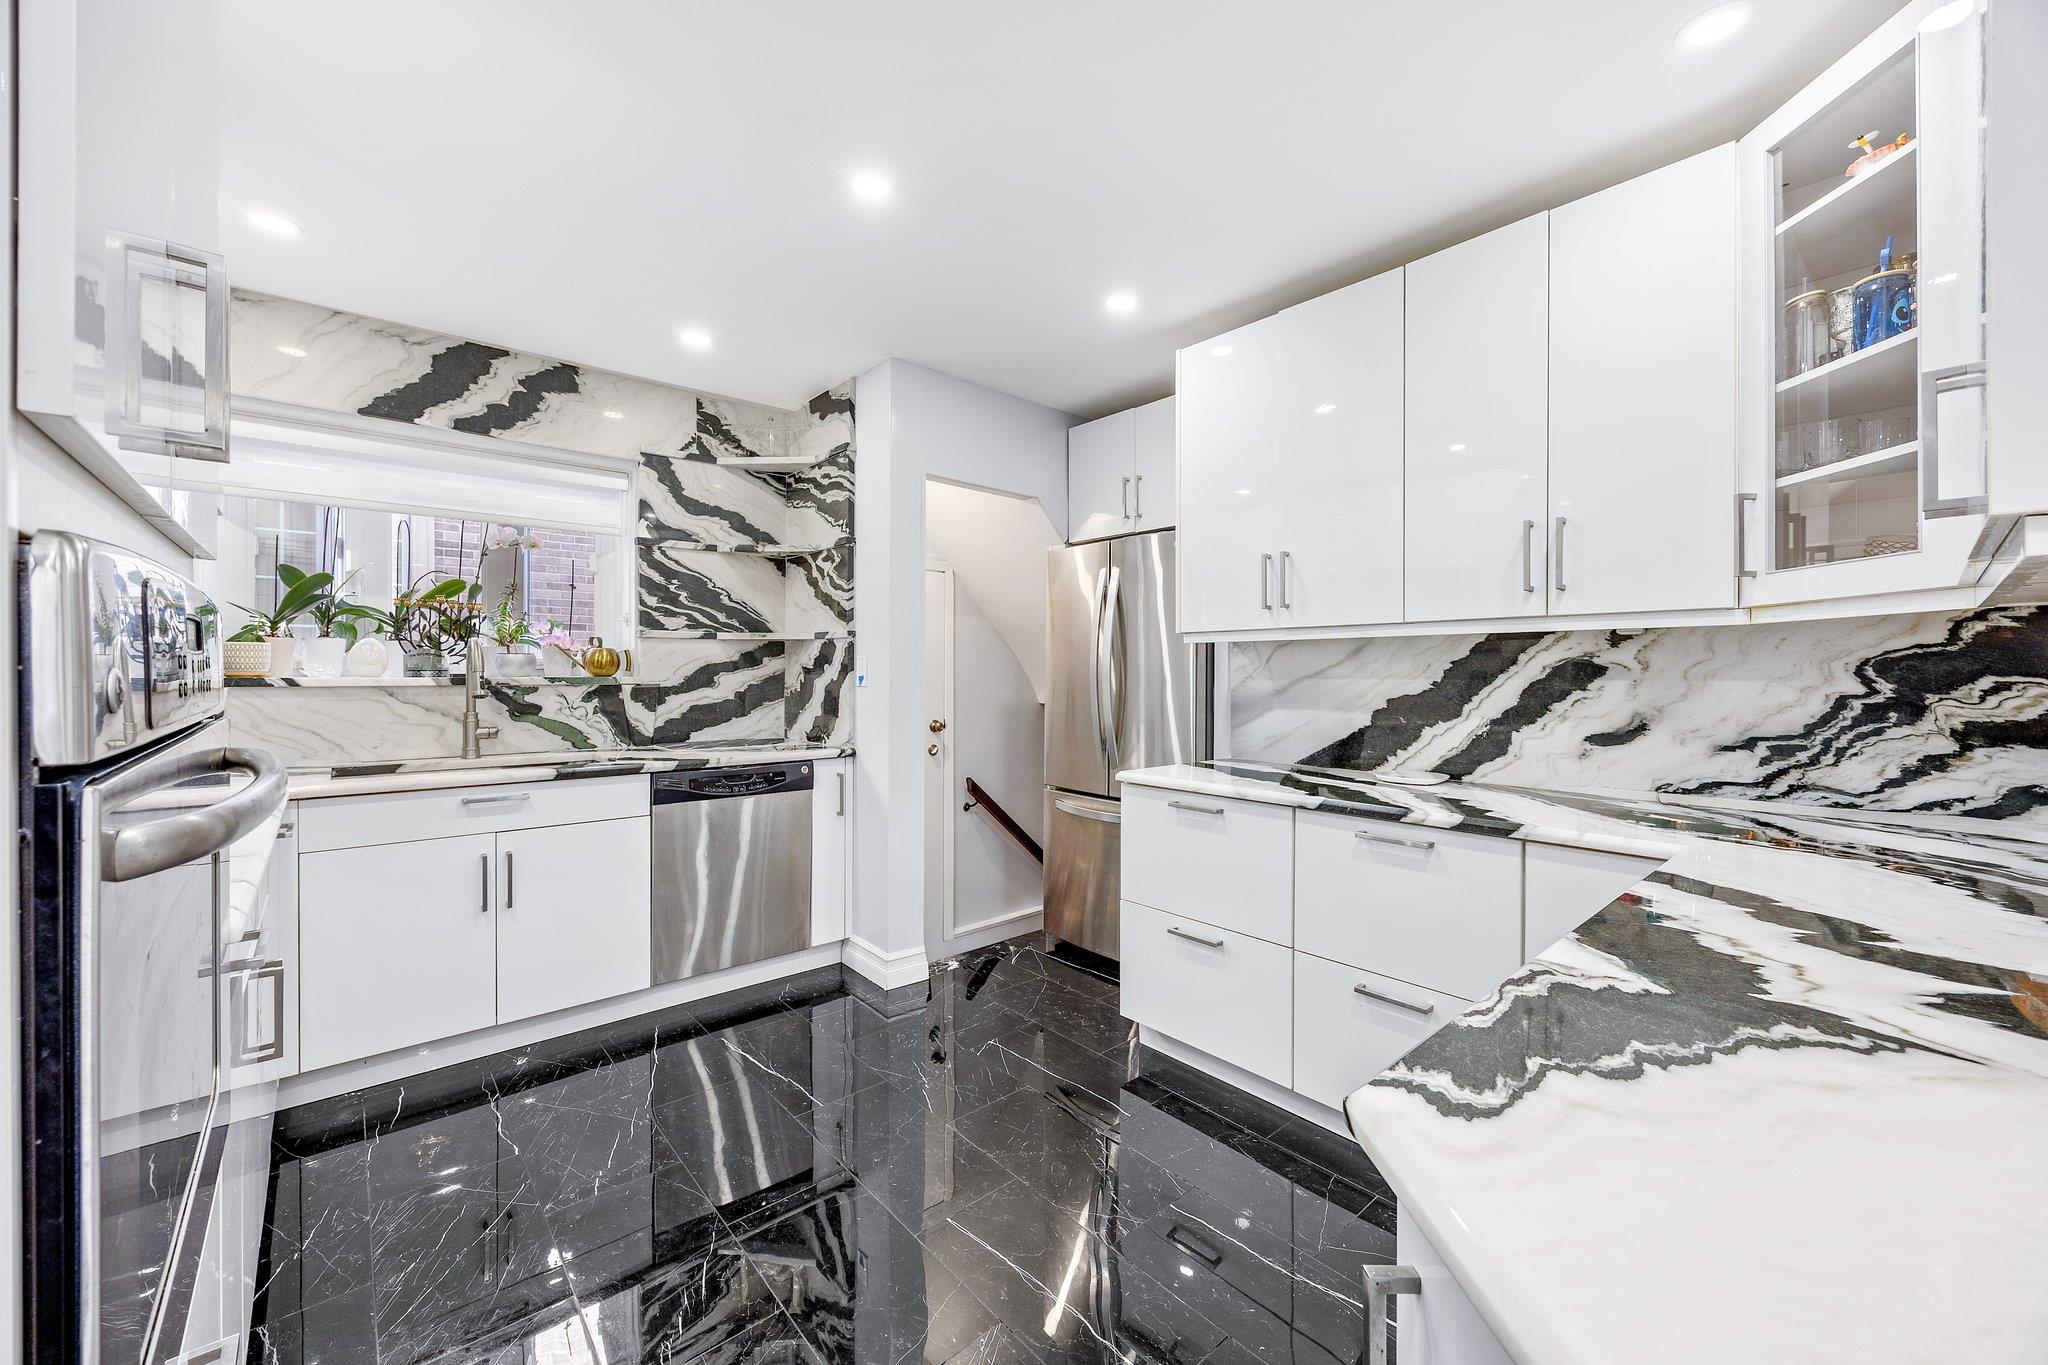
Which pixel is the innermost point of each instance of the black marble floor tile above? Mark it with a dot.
(982, 1170)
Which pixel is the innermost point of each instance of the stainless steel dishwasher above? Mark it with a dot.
(732, 867)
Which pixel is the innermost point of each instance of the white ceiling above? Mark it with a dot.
(582, 180)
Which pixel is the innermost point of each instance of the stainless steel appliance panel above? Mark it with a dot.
(732, 867)
(1076, 737)
(1158, 686)
(1083, 848)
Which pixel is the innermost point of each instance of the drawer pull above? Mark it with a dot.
(506, 799)
(1198, 810)
(1383, 1282)
(1372, 838)
(1398, 1003)
(1179, 932)
(1183, 1240)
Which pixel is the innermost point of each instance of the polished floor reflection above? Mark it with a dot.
(986, 1170)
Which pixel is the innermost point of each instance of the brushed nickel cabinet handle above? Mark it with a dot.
(1529, 557)
(1179, 932)
(1123, 502)
(1371, 838)
(1398, 1003)
(1742, 569)
(483, 879)
(1138, 498)
(1557, 568)
(1198, 810)
(1286, 562)
(508, 879)
(1265, 582)
(506, 798)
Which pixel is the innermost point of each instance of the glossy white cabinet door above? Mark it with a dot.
(1478, 341)
(1152, 507)
(1227, 863)
(1230, 491)
(1333, 421)
(1562, 888)
(1642, 402)
(573, 916)
(1101, 463)
(397, 946)
(1439, 1326)
(1355, 1024)
(831, 819)
(1228, 994)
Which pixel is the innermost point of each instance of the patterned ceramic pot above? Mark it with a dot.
(245, 658)
(425, 663)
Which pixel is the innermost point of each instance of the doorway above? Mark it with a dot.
(938, 761)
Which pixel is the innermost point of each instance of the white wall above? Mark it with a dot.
(915, 424)
(996, 547)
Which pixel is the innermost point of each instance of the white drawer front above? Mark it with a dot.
(1227, 863)
(1349, 1036)
(398, 817)
(1222, 992)
(1435, 908)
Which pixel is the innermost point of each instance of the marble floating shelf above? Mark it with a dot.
(746, 635)
(761, 549)
(773, 464)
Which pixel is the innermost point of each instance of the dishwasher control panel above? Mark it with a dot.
(715, 784)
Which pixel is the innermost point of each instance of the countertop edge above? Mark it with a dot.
(320, 784)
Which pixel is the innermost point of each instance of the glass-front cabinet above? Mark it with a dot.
(1863, 277)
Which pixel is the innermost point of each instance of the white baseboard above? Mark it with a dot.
(1269, 1091)
(969, 937)
(887, 970)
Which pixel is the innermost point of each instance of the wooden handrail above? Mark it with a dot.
(1002, 820)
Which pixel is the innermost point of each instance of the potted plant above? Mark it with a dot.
(558, 651)
(299, 590)
(335, 619)
(513, 653)
(431, 620)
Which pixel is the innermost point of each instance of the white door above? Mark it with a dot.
(938, 754)
(1152, 506)
(573, 915)
(831, 814)
(1332, 417)
(1229, 492)
(1642, 409)
(1478, 342)
(1101, 464)
(397, 946)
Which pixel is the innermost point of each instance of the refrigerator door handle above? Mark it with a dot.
(1095, 663)
(1112, 627)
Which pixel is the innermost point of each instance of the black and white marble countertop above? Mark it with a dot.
(427, 774)
(1783, 1100)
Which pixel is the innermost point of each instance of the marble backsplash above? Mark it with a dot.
(744, 581)
(1930, 713)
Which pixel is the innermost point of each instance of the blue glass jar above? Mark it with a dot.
(1884, 306)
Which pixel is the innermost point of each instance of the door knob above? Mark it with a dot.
(937, 727)
(932, 749)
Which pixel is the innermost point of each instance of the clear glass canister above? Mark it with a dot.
(1807, 343)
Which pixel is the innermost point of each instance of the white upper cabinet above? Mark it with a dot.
(1120, 473)
(122, 294)
(1152, 492)
(1642, 393)
(1290, 467)
(1862, 312)
(1101, 463)
(1477, 523)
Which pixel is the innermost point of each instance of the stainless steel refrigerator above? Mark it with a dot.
(1122, 691)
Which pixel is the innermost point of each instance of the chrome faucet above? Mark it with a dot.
(473, 735)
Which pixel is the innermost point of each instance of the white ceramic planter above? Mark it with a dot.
(324, 656)
(519, 661)
(282, 649)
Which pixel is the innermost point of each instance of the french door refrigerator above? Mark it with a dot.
(1122, 691)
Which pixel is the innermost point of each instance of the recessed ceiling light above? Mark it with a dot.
(869, 187)
(1325, 409)
(1244, 492)
(1716, 25)
(695, 338)
(1457, 447)
(276, 224)
(295, 352)
(1121, 302)
(1221, 350)
(615, 414)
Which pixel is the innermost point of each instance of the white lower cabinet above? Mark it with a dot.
(1211, 988)
(572, 916)
(1432, 907)
(1350, 1025)
(397, 946)
(831, 838)
(1562, 888)
(1228, 863)
(1439, 1324)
